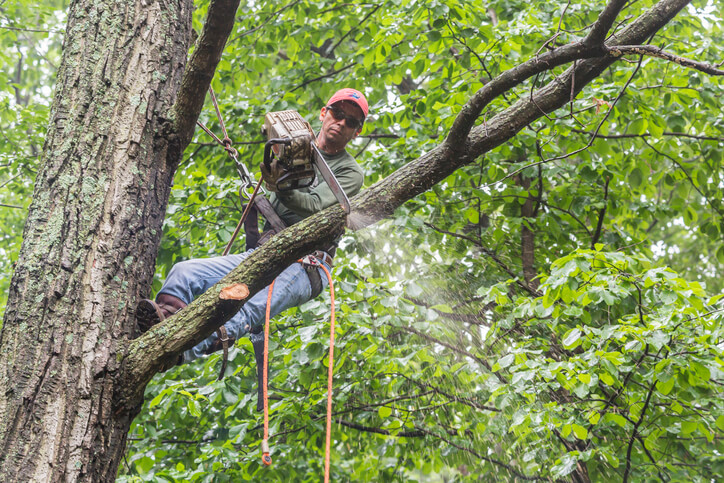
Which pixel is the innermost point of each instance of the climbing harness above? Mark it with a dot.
(313, 262)
(290, 142)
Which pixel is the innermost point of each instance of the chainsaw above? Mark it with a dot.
(291, 145)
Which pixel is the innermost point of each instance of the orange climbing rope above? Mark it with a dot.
(329, 379)
(266, 458)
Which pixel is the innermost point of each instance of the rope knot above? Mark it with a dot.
(226, 142)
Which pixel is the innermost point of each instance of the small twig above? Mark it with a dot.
(645, 135)
(453, 348)
(22, 29)
(478, 455)
(315, 79)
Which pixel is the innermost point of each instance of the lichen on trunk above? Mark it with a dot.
(88, 252)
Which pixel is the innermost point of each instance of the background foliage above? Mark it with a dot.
(451, 364)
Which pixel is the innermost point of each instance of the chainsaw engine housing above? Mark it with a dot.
(289, 142)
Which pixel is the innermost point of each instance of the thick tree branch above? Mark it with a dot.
(604, 22)
(654, 51)
(557, 93)
(591, 46)
(201, 67)
(158, 348)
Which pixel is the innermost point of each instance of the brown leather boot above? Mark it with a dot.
(150, 313)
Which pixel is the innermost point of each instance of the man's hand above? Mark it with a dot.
(272, 174)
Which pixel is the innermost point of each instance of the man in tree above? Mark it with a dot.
(342, 120)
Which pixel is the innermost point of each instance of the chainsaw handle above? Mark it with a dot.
(268, 147)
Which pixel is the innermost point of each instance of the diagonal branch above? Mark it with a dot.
(635, 431)
(557, 93)
(604, 22)
(591, 46)
(201, 67)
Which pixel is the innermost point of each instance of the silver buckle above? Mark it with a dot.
(310, 261)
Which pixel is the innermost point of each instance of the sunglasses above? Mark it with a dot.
(350, 121)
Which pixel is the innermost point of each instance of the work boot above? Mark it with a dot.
(150, 313)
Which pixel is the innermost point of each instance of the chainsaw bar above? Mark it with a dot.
(330, 179)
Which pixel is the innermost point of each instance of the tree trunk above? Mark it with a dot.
(90, 240)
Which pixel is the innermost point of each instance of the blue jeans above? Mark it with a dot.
(187, 280)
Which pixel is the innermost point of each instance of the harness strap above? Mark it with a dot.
(267, 211)
(251, 227)
(224, 339)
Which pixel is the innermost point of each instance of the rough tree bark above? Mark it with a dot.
(73, 377)
(91, 236)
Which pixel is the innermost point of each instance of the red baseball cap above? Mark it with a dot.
(350, 95)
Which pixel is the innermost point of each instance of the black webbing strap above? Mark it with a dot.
(224, 339)
(257, 341)
(251, 228)
(267, 211)
(251, 222)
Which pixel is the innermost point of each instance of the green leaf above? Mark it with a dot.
(720, 422)
(594, 418)
(384, 412)
(156, 400)
(506, 360)
(571, 340)
(616, 418)
(580, 432)
(607, 379)
(665, 387)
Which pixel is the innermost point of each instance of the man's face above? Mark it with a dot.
(336, 132)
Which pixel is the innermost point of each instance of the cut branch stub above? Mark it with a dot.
(237, 291)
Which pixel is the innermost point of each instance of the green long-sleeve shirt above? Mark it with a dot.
(295, 205)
